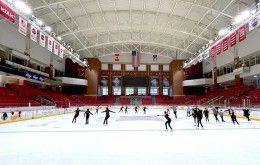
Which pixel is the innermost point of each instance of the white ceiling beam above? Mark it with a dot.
(226, 7)
(136, 42)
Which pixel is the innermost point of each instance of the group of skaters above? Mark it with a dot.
(195, 112)
(13, 115)
(197, 115)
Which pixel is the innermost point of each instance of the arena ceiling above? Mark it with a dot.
(174, 28)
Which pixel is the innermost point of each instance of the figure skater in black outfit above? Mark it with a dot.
(136, 109)
(97, 110)
(233, 117)
(107, 115)
(199, 118)
(246, 114)
(169, 120)
(194, 114)
(121, 109)
(144, 109)
(87, 114)
(126, 109)
(76, 115)
(206, 114)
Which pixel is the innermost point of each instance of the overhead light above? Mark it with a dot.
(48, 28)
(59, 38)
(241, 17)
(39, 22)
(255, 76)
(23, 7)
(210, 41)
(222, 32)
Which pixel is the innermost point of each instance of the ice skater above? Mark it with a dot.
(126, 111)
(87, 114)
(194, 114)
(199, 118)
(107, 111)
(121, 109)
(215, 113)
(174, 109)
(233, 117)
(206, 114)
(136, 109)
(144, 109)
(97, 110)
(188, 111)
(168, 120)
(221, 114)
(76, 115)
(247, 114)
(5, 116)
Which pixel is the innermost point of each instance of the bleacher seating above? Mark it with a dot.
(124, 101)
(147, 101)
(10, 98)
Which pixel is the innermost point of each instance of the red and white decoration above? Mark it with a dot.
(225, 44)
(7, 12)
(22, 26)
(117, 57)
(61, 53)
(56, 48)
(233, 39)
(219, 48)
(213, 52)
(42, 40)
(135, 59)
(33, 33)
(50, 44)
(242, 33)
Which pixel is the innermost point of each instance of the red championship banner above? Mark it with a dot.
(242, 33)
(61, 54)
(213, 51)
(33, 33)
(42, 40)
(22, 26)
(7, 12)
(50, 44)
(56, 48)
(225, 44)
(219, 48)
(233, 39)
(116, 56)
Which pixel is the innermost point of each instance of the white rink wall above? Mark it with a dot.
(36, 112)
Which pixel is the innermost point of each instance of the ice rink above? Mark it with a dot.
(129, 139)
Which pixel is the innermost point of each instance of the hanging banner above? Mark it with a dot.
(22, 26)
(56, 48)
(50, 44)
(242, 33)
(116, 56)
(213, 51)
(33, 33)
(254, 22)
(233, 39)
(135, 58)
(225, 44)
(219, 48)
(61, 54)
(7, 12)
(42, 40)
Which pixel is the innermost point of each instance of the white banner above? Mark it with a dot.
(22, 26)
(33, 33)
(254, 22)
(42, 40)
(50, 44)
(56, 48)
(61, 51)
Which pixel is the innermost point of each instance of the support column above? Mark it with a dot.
(214, 74)
(93, 76)
(177, 76)
(238, 80)
(122, 75)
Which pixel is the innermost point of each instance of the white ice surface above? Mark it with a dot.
(129, 140)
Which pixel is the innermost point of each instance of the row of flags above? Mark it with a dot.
(39, 37)
(229, 41)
